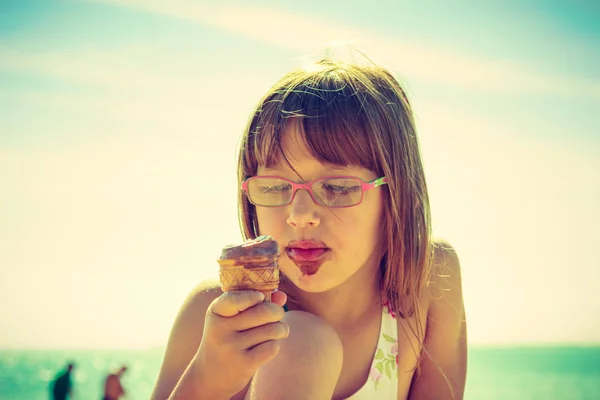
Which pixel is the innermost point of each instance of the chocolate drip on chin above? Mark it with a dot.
(309, 268)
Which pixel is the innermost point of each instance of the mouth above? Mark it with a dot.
(306, 250)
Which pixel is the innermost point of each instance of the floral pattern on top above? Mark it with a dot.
(386, 356)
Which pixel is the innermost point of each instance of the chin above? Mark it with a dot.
(317, 282)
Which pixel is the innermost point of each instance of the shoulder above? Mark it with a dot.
(185, 336)
(198, 300)
(189, 321)
(445, 279)
(444, 289)
(436, 333)
(443, 362)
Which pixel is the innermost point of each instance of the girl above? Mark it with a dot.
(329, 165)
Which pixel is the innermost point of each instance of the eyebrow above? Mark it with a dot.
(332, 167)
(338, 168)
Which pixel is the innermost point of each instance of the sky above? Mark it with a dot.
(120, 120)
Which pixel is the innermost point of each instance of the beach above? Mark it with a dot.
(493, 373)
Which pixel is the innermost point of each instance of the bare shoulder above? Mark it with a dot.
(445, 295)
(445, 280)
(185, 336)
(443, 363)
(198, 300)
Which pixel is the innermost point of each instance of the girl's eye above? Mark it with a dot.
(340, 189)
(334, 188)
(275, 189)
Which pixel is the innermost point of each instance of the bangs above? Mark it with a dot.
(331, 111)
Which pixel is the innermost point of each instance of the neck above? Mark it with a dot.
(344, 306)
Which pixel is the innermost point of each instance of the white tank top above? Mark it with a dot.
(383, 379)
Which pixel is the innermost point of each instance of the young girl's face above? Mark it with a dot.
(321, 247)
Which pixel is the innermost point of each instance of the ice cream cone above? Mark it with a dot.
(251, 266)
(235, 276)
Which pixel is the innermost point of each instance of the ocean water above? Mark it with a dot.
(493, 373)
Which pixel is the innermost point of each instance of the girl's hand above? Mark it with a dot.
(241, 333)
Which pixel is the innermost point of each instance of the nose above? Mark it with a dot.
(303, 211)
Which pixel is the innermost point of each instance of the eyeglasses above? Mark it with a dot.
(335, 191)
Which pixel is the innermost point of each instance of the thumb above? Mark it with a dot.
(279, 298)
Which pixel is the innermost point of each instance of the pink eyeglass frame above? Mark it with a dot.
(307, 186)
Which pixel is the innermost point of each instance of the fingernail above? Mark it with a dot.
(261, 296)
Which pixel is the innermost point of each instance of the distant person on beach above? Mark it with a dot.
(62, 385)
(113, 389)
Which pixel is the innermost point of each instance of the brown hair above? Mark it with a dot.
(355, 115)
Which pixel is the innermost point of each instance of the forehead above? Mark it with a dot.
(295, 152)
(298, 161)
(293, 146)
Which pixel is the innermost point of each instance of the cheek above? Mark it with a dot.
(270, 220)
(363, 231)
(357, 233)
(362, 234)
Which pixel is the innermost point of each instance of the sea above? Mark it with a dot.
(507, 373)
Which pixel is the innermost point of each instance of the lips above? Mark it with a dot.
(306, 254)
(306, 250)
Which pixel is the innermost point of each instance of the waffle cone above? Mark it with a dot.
(245, 273)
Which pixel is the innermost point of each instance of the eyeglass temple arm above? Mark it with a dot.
(379, 182)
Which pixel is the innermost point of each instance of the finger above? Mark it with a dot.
(259, 314)
(279, 298)
(262, 353)
(255, 336)
(232, 303)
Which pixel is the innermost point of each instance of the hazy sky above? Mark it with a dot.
(119, 123)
